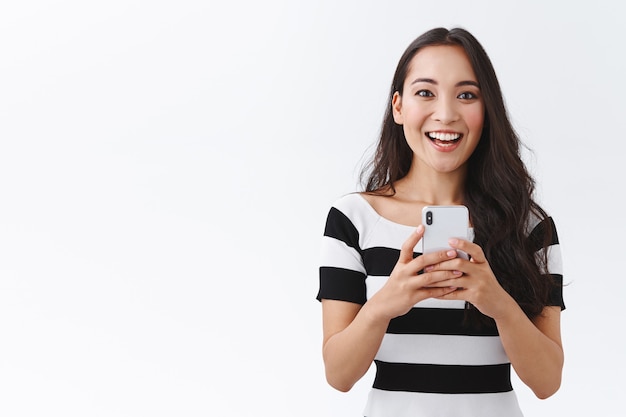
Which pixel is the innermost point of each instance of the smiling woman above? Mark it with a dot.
(442, 330)
(441, 110)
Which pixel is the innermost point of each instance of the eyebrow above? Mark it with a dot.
(431, 81)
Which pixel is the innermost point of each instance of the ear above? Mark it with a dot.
(396, 107)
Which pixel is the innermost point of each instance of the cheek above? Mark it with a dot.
(475, 118)
(414, 113)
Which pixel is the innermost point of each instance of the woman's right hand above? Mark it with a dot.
(353, 333)
(407, 286)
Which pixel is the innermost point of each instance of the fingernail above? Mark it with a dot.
(451, 253)
(428, 268)
(419, 229)
(453, 241)
(457, 272)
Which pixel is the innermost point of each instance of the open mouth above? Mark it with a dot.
(444, 139)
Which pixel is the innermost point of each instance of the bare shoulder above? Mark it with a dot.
(374, 200)
(382, 200)
(391, 207)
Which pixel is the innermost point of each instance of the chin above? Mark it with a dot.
(446, 169)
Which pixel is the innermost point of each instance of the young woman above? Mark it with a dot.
(443, 331)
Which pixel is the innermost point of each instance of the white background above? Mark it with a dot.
(166, 169)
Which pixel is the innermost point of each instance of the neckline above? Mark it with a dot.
(391, 222)
(380, 217)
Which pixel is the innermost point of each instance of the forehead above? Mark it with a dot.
(441, 63)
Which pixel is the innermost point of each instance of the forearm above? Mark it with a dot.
(349, 353)
(536, 358)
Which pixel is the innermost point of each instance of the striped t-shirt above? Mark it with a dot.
(429, 362)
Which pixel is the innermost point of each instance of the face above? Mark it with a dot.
(441, 109)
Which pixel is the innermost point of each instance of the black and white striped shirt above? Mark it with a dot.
(429, 362)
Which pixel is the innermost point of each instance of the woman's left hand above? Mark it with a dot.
(478, 284)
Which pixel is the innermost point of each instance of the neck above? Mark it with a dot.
(433, 188)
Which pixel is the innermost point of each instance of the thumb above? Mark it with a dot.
(406, 252)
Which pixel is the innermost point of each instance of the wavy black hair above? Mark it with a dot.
(498, 189)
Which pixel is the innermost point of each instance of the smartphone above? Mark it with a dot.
(442, 223)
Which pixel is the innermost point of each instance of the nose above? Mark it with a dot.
(445, 110)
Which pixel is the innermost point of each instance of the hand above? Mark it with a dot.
(405, 287)
(477, 284)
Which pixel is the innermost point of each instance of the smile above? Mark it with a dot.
(444, 139)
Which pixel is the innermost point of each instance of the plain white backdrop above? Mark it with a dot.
(166, 169)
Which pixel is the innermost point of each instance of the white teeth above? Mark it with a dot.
(444, 136)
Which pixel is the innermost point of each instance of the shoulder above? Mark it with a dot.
(540, 225)
(536, 218)
(355, 208)
(350, 219)
(349, 202)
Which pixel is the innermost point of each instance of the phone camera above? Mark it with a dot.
(429, 217)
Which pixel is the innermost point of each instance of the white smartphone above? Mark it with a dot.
(442, 223)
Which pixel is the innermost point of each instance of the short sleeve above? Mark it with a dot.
(341, 273)
(553, 269)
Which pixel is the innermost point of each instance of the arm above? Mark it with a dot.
(352, 336)
(353, 333)
(533, 347)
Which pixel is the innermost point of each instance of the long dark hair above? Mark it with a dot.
(498, 188)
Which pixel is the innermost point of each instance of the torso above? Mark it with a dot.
(428, 343)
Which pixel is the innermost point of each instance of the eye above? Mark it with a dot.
(424, 93)
(467, 96)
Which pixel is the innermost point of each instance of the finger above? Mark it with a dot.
(438, 261)
(406, 251)
(434, 260)
(473, 250)
(442, 279)
(456, 294)
(439, 292)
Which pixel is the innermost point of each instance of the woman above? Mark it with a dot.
(443, 331)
